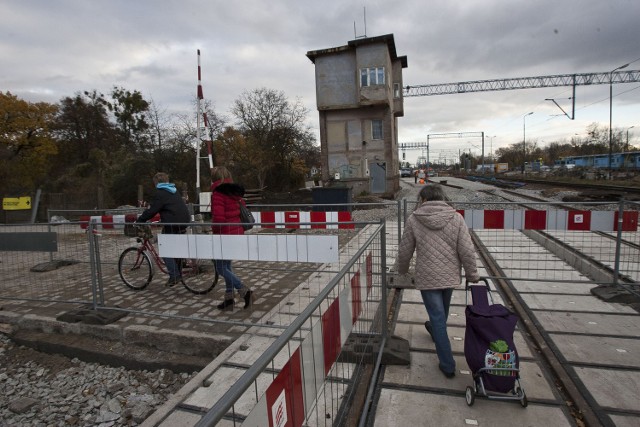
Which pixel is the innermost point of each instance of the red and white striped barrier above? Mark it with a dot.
(111, 222)
(291, 397)
(104, 222)
(296, 219)
(549, 220)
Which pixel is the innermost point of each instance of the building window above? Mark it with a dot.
(376, 129)
(396, 90)
(371, 76)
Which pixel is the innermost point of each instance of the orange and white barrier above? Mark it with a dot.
(573, 220)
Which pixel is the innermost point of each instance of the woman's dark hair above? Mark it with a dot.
(432, 192)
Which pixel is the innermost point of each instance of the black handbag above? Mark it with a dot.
(246, 217)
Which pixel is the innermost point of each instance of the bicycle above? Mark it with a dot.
(136, 270)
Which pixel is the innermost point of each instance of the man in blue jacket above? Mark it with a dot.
(168, 202)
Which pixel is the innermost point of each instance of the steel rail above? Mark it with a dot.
(580, 408)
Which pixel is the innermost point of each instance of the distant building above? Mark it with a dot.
(359, 99)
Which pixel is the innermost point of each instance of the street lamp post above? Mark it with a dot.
(491, 147)
(611, 113)
(524, 141)
(627, 145)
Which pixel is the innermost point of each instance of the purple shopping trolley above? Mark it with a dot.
(489, 348)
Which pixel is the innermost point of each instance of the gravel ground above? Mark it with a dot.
(38, 389)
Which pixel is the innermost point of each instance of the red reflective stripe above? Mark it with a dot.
(629, 221)
(267, 217)
(494, 219)
(356, 297)
(579, 221)
(107, 221)
(535, 220)
(292, 218)
(331, 335)
(345, 216)
(289, 381)
(318, 217)
(84, 221)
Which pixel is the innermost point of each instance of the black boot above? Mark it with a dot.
(227, 304)
(249, 296)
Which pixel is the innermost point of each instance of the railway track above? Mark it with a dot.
(629, 277)
(570, 372)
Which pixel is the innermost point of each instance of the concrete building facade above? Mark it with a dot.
(359, 100)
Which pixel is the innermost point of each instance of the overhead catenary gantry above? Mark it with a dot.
(425, 145)
(578, 79)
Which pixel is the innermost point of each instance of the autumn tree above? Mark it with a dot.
(275, 130)
(130, 110)
(26, 143)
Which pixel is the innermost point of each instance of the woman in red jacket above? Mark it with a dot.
(225, 216)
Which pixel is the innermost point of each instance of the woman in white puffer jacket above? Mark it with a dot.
(443, 246)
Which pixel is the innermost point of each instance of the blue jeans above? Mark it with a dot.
(172, 267)
(437, 302)
(231, 281)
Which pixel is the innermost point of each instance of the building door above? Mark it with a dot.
(378, 177)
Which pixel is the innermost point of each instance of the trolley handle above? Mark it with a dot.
(468, 286)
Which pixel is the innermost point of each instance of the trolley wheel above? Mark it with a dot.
(134, 267)
(199, 276)
(523, 400)
(470, 395)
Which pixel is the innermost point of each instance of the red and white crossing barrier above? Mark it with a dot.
(104, 222)
(111, 222)
(296, 219)
(292, 395)
(549, 220)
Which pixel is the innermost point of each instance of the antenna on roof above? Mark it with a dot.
(355, 35)
(365, 20)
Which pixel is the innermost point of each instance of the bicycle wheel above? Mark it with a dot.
(199, 276)
(135, 269)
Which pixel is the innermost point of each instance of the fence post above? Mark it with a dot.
(383, 275)
(400, 215)
(616, 263)
(93, 260)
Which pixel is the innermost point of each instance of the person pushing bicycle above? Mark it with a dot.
(168, 202)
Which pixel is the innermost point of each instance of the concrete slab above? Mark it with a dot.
(599, 350)
(612, 388)
(424, 372)
(590, 323)
(518, 247)
(622, 421)
(583, 288)
(180, 418)
(418, 313)
(205, 397)
(541, 274)
(538, 256)
(573, 303)
(400, 408)
(539, 264)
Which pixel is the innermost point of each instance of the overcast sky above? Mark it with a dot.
(52, 49)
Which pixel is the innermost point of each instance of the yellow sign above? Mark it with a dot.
(16, 203)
